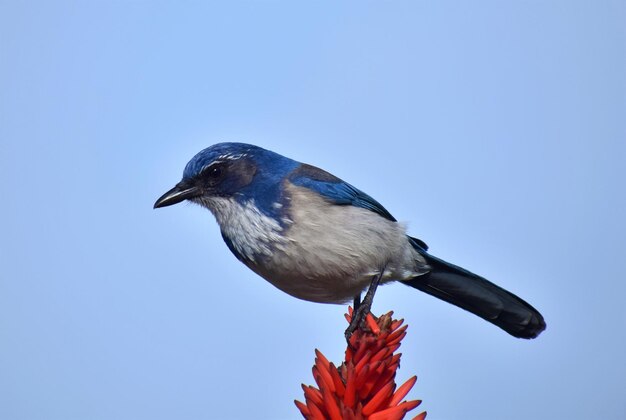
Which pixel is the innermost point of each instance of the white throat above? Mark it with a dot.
(252, 233)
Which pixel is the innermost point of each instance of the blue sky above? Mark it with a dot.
(497, 130)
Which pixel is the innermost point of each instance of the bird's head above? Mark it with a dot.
(230, 170)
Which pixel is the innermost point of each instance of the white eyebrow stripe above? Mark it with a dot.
(223, 158)
(231, 156)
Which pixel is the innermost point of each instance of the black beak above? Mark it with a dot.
(182, 191)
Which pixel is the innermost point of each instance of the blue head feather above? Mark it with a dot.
(269, 169)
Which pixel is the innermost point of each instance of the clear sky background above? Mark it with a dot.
(497, 130)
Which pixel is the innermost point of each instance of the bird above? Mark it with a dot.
(320, 239)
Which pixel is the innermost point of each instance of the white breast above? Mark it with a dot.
(333, 251)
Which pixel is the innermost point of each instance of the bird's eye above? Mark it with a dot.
(215, 172)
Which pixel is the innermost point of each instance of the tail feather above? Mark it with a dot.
(479, 296)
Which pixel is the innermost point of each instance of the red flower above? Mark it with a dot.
(364, 386)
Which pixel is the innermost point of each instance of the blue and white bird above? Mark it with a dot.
(320, 239)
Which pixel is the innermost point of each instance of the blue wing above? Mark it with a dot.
(336, 190)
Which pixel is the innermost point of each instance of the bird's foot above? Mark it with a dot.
(361, 309)
(358, 318)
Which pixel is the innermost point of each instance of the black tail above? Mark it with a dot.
(478, 296)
